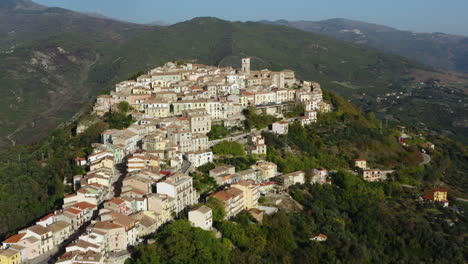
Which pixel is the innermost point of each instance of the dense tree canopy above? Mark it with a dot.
(364, 222)
(31, 177)
(258, 121)
(229, 148)
(179, 242)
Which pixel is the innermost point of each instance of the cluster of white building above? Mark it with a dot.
(174, 107)
(53, 230)
(176, 104)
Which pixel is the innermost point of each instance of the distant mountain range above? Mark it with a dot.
(449, 52)
(53, 62)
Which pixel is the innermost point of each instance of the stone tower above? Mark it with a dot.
(246, 65)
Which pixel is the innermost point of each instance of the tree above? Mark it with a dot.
(123, 107)
(217, 206)
(136, 75)
(179, 242)
(258, 121)
(229, 148)
(218, 132)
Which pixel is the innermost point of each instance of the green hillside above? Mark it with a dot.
(440, 50)
(53, 62)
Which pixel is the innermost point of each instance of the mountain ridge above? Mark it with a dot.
(441, 50)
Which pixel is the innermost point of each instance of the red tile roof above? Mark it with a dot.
(267, 183)
(70, 195)
(106, 225)
(14, 238)
(73, 211)
(222, 195)
(46, 217)
(117, 200)
(84, 205)
(321, 236)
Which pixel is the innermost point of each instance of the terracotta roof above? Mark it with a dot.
(234, 191)
(427, 197)
(67, 255)
(84, 205)
(70, 195)
(321, 236)
(117, 200)
(14, 238)
(122, 219)
(222, 195)
(73, 211)
(46, 217)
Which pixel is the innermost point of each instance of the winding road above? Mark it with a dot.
(426, 159)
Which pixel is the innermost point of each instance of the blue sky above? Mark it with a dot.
(447, 16)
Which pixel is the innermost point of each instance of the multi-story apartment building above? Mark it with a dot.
(233, 200)
(201, 217)
(199, 157)
(251, 192)
(180, 187)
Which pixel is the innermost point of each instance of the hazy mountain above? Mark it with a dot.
(440, 50)
(159, 23)
(53, 62)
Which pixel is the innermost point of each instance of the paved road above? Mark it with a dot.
(426, 159)
(185, 166)
(117, 186)
(461, 199)
(414, 187)
(234, 137)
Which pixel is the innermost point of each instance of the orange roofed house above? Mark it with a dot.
(436, 195)
(233, 200)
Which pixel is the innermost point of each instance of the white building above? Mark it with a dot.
(201, 217)
(280, 127)
(180, 187)
(199, 158)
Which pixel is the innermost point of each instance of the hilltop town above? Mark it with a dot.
(141, 177)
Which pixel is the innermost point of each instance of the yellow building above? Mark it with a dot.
(437, 194)
(10, 256)
(107, 162)
(251, 192)
(267, 169)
